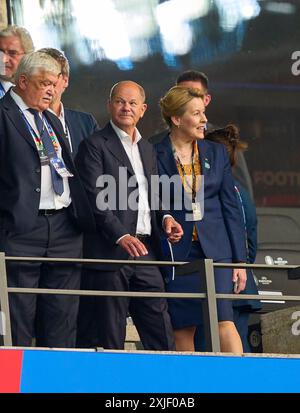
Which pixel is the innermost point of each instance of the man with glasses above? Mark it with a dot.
(15, 42)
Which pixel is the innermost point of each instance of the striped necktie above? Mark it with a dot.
(57, 180)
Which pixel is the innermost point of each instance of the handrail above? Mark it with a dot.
(134, 262)
(204, 266)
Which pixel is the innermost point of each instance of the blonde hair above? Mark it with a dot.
(175, 100)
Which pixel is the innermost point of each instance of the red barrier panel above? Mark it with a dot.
(10, 370)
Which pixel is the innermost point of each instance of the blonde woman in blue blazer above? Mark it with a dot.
(212, 222)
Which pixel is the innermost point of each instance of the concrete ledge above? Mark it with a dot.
(280, 331)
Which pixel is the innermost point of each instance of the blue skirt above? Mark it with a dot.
(187, 312)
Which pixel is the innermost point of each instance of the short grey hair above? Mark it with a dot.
(33, 62)
(22, 34)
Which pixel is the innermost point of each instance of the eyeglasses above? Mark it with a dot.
(11, 53)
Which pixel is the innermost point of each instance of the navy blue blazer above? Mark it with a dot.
(20, 173)
(81, 125)
(221, 231)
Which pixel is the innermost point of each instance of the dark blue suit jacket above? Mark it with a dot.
(102, 155)
(221, 232)
(81, 125)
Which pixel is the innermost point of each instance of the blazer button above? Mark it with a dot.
(37, 189)
(38, 170)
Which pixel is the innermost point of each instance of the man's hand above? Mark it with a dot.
(133, 246)
(240, 278)
(172, 229)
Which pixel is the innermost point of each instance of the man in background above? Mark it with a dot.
(15, 42)
(76, 124)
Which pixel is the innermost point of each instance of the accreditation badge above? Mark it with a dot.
(197, 213)
(60, 167)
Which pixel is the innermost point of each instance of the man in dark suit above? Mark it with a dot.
(15, 42)
(42, 204)
(77, 125)
(116, 166)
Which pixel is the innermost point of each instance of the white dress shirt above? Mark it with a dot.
(49, 199)
(133, 153)
(62, 119)
(6, 84)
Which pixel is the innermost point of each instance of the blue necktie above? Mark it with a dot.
(57, 180)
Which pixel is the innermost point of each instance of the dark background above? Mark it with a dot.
(249, 68)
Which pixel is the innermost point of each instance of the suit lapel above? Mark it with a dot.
(17, 119)
(146, 157)
(72, 131)
(204, 156)
(115, 146)
(69, 123)
(166, 158)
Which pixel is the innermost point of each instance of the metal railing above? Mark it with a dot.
(204, 266)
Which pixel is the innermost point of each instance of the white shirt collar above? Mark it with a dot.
(19, 101)
(61, 116)
(124, 135)
(6, 84)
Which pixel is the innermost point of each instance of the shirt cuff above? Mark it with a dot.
(164, 217)
(118, 240)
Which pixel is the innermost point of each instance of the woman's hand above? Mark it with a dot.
(173, 229)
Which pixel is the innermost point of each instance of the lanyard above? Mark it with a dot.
(178, 161)
(38, 142)
(51, 134)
